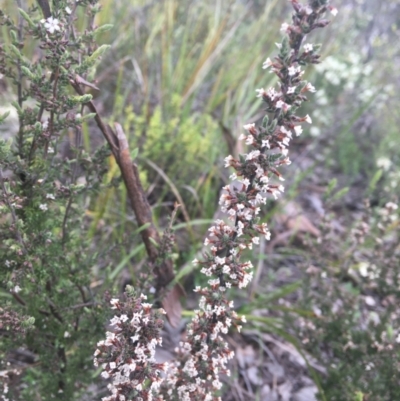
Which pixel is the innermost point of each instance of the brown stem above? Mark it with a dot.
(119, 147)
(44, 5)
(164, 272)
(141, 208)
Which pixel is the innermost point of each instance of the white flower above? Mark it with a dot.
(292, 70)
(68, 10)
(114, 302)
(17, 289)
(309, 87)
(67, 334)
(291, 89)
(334, 11)
(272, 93)
(265, 143)
(267, 63)
(135, 338)
(7, 263)
(246, 181)
(284, 27)
(384, 163)
(43, 207)
(228, 160)
(249, 127)
(105, 375)
(253, 154)
(282, 105)
(307, 118)
(298, 130)
(308, 47)
(260, 92)
(52, 24)
(50, 196)
(50, 150)
(249, 140)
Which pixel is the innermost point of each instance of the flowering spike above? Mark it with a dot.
(204, 353)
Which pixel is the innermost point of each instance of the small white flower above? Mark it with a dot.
(17, 289)
(384, 163)
(282, 105)
(52, 24)
(334, 11)
(253, 154)
(284, 27)
(309, 87)
(260, 92)
(114, 302)
(298, 130)
(308, 119)
(7, 263)
(50, 150)
(265, 143)
(272, 93)
(267, 63)
(228, 160)
(50, 196)
(249, 140)
(67, 334)
(43, 207)
(291, 89)
(68, 10)
(105, 375)
(308, 47)
(248, 127)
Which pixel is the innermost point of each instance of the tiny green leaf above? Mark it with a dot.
(26, 17)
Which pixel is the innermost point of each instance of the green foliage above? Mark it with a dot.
(46, 259)
(181, 146)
